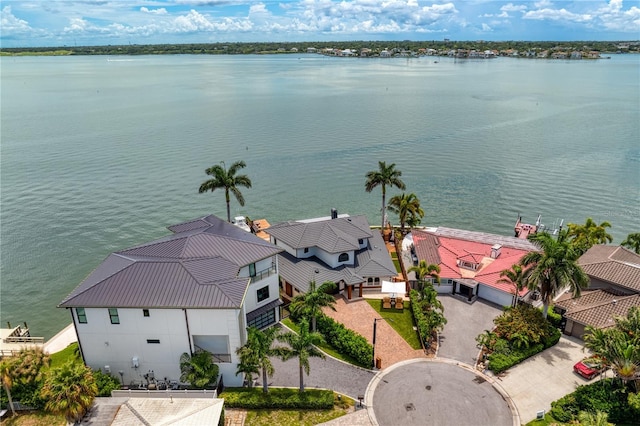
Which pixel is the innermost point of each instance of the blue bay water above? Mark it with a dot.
(98, 154)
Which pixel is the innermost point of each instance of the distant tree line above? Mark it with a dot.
(301, 47)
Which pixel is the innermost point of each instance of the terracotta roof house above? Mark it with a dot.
(198, 288)
(338, 248)
(614, 287)
(470, 262)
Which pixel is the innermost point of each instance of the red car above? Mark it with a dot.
(589, 367)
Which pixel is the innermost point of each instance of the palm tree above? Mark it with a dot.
(227, 179)
(589, 234)
(257, 352)
(515, 276)
(310, 304)
(553, 267)
(407, 207)
(598, 418)
(424, 270)
(6, 376)
(198, 369)
(69, 391)
(383, 177)
(632, 242)
(303, 347)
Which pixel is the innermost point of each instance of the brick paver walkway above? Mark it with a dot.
(359, 316)
(234, 417)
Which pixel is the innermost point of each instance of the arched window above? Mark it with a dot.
(343, 257)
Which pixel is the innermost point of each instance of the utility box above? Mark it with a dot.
(379, 363)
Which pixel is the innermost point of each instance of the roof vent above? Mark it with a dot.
(495, 250)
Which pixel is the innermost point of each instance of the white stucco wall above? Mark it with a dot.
(494, 295)
(116, 345)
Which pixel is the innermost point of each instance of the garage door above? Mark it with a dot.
(494, 295)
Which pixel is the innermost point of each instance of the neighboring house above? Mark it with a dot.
(470, 262)
(341, 249)
(614, 287)
(199, 288)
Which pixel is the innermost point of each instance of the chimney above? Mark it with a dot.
(495, 250)
(334, 213)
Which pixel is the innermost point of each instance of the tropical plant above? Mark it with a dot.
(553, 267)
(632, 242)
(515, 276)
(424, 270)
(407, 207)
(310, 304)
(589, 234)
(6, 376)
(226, 179)
(487, 339)
(106, 383)
(618, 346)
(198, 369)
(69, 391)
(257, 352)
(303, 347)
(383, 177)
(28, 366)
(598, 418)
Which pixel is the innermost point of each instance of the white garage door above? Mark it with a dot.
(494, 295)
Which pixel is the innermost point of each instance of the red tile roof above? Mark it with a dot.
(445, 251)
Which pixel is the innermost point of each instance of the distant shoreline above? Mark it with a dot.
(362, 48)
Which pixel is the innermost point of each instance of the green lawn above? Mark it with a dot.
(326, 348)
(396, 262)
(401, 321)
(69, 353)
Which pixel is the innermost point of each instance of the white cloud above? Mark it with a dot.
(159, 11)
(12, 25)
(557, 15)
(613, 18)
(486, 28)
(542, 4)
(192, 22)
(510, 7)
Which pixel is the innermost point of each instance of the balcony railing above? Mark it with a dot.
(263, 274)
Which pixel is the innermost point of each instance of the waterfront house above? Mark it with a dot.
(470, 262)
(614, 287)
(196, 289)
(339, 248)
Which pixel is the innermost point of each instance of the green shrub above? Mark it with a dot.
(553, 317)
(565, 409)
(499, 362)
(552, 338)
(345, 341)
(277, 398)
(609, 396)
(105, 382)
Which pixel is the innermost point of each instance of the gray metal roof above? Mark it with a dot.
(196, 267)
(331, 235)
(373, 261)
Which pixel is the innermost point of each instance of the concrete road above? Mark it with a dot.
(432, 392)
(544, 378)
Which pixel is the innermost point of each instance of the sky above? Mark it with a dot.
(40, 23)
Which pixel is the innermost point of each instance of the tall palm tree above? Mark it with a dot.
(257, 352)
(310, 304)
(632, 242)
(553, 267)
(515, 276)
(6, 376)
(424, 270)
(407, 207)
(303, 347)
(589, 234)
(383, 177)
(69, 391)
(227, 179)
(198, 369)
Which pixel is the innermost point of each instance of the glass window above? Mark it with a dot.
(145, 312)
(263, 320)
(343, 257)
(306, 249)
(360, 241)
(113, 315)
(263, 293)
(82, 316)
(252, 270)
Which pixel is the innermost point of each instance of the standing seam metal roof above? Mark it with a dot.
(196, 268)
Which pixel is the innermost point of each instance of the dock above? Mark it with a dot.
(14, 339)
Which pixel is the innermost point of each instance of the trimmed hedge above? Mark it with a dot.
(609, 396)
(345, 341)
(419, 317)
(277, 398)
(499, 362)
